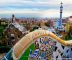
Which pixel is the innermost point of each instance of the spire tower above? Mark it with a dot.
(13, 18)
(61, 11)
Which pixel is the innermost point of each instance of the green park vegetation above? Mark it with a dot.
(3, 47)
(2, 28)
(26, 53)
(69, 34)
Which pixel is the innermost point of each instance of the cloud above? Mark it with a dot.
(39, 13)
(45, 8)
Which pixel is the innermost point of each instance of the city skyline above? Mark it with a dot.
(34, 8)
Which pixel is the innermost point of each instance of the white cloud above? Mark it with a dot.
(43, 13)
(33, 6)
(35, 2)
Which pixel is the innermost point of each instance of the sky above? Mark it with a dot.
(35, 8)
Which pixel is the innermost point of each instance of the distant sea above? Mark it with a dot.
(19, 15)
(24, 15)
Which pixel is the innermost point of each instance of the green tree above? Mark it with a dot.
(69, 34)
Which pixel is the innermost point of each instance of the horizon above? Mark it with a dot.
(26, 16)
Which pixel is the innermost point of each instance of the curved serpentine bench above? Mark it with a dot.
(25, 42)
